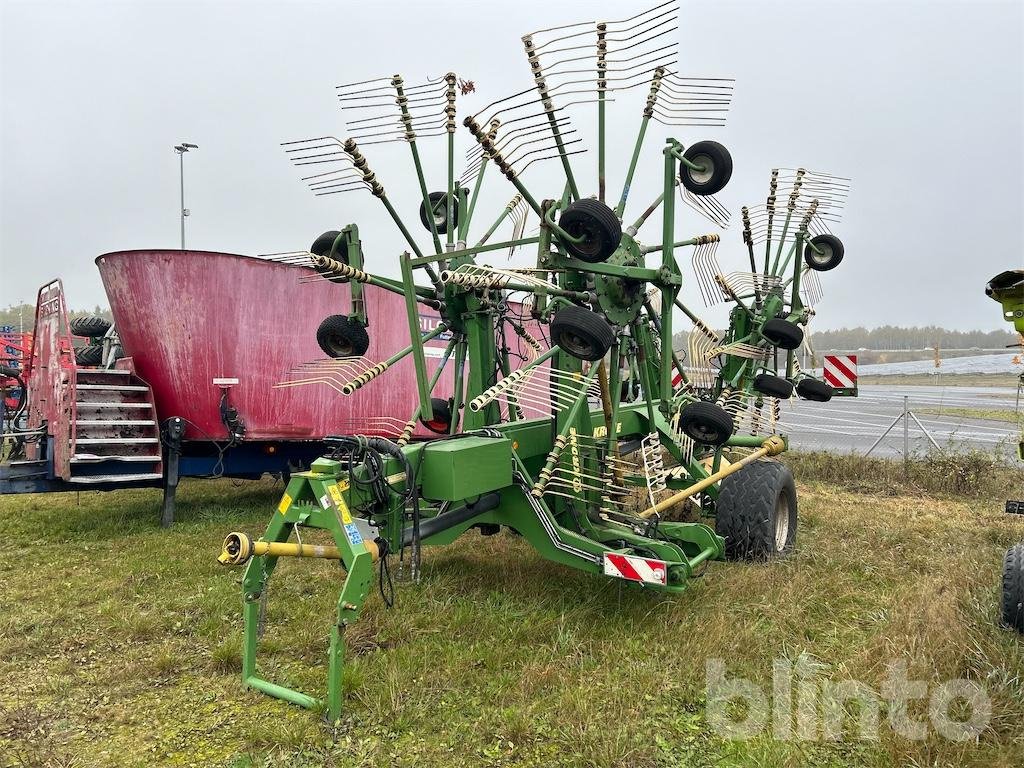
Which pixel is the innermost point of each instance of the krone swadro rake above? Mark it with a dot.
(595, 437)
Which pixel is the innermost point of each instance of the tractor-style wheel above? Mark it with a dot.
(715, 168)
(341, 336)
(322, 247)
(782, 333)
(439, 206)
(773, 386)
(756, 512)
(831, 253)
(442, 421)
(1013, 588)
(597, 224)
(706, 423)
(92, 326)
(91, 355)
(812, 389)
(581, 333)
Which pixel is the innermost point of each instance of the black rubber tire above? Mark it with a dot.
(750, 504)
(91, 355)
(706, 423)
(442, 421)
(833, 248)
(91, 326)
(581, 333)
(323, 244)
(782, 333)
(322, 247)
(341, 336)
(812, 389)
(712, 179)
(773, 386)
(1013, 588)
(441, 217)
(597, 223)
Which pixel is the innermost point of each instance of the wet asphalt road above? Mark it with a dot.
(848, 424)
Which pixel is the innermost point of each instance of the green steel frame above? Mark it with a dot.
(501, 457)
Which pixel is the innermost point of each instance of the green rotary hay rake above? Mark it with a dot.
(567, 443)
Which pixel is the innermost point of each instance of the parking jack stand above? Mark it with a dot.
(174, 431)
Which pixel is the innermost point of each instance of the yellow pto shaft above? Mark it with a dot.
(239, 548)
(773, 446)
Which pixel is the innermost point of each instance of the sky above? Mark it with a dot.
(919, 103)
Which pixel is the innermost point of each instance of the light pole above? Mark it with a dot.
(181, 149)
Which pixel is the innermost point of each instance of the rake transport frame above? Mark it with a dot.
(567, 479)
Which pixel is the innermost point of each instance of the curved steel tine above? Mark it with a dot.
(707, 206)
(384, 78)
(545, 146)
(333, 139)
(557, 29)
(520, 171)
(334, 175)
(642, 13)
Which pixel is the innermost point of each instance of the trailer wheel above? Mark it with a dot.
(716, 170)
(782, 333)
(773, 386)
(757, 512)
(92, 326)
(322, 247)
(831, 248)
(581, 333)
(1013, 588)
(91, 355)
(706, 423)
(597, 224)
(442, 422)
(340, 336)
(812, 389)
(439, 207)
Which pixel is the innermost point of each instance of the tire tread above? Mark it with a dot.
(745, 503)
(1013, 588)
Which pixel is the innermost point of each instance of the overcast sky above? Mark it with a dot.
(920, 103)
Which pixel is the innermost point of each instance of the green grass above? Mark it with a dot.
(120, 642)
(988, 414)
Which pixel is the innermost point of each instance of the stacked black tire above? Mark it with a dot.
(92, 327)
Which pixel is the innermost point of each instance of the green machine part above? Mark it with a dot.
(1008, 289)
(562, 443)
(461, 469)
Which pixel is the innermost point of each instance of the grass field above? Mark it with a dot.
(989, 414)
(120, 642)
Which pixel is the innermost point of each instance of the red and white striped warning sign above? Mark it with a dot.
(635, 568)
(841, 371)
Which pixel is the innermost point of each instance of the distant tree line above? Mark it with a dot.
(17, 315)
(916, 337)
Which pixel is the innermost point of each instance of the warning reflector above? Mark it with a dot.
(633, 568)
(840, 373)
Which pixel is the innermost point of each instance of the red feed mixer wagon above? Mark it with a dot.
(204, 386)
